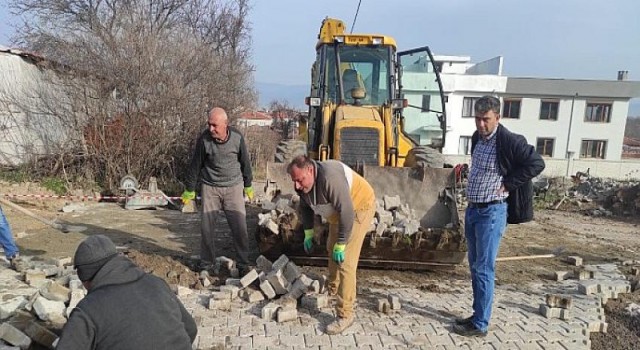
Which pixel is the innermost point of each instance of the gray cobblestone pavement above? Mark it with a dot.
(424, 322)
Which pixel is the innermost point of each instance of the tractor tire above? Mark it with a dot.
(287, 150)
(424, 157)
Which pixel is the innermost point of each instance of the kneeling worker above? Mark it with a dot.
(125, 308)
(346, 200)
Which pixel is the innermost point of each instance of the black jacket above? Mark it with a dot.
(127, 308)
(519, 163)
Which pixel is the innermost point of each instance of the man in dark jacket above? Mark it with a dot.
(125, 308)
(499, 192)
(223, 164)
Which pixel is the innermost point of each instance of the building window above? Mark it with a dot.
(468, 103)
(598, 112)
(593, 149)
(426, 103)
(549, 110)
(511, 109)
(544, 146)
(464, 147)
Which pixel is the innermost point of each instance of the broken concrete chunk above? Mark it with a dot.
(49, 310)
(56, 292)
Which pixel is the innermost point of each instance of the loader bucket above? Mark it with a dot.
(439, 243)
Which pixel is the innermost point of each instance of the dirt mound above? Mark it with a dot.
(167, 268)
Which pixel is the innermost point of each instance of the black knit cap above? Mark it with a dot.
(92, 254)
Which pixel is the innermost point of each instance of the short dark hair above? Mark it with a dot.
(300, 162)
(486, 104)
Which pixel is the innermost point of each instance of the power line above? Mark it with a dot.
(356, 16)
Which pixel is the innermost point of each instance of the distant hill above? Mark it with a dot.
(293, 94)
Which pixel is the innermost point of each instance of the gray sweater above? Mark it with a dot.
(220, 164)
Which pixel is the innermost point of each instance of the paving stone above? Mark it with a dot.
(263, 264)
(574, 260)
(296, 341)
(14, 336)
(342, 340)
(247, 279)
(317, 340)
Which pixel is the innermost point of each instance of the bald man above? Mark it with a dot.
(223, 164)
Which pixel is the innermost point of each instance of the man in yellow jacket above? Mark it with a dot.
(346, 200)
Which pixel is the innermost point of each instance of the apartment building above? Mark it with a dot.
(563, 118)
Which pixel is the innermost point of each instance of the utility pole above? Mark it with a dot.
(570, 153)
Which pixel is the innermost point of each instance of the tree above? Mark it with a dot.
(138, 77)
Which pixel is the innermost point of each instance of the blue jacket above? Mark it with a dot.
(519, 163)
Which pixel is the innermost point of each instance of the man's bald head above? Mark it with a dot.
(218, 122)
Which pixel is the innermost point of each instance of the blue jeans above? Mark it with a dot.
(484, 228)
(6, 237)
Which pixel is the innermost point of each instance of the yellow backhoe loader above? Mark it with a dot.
(356, 106)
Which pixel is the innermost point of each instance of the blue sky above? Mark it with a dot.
(573, 39)
(547, 38)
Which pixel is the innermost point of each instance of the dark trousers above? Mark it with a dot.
(229, 200)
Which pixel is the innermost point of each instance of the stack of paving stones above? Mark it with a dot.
(37, 293)
(392, 216)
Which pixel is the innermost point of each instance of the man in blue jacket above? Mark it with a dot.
(500, 191)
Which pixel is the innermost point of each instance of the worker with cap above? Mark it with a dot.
(125, 308)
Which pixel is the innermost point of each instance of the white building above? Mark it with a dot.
(247, 119)
(564, 119)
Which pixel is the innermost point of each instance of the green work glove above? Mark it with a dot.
(188, 196)
(249, 192)
(338, 252)
(308, 240)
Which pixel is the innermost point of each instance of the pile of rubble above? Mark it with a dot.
(281, 283)
(54, 290)
(392, 217)
(612, 197)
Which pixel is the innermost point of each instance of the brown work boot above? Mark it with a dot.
(14, 260)
(339, 325)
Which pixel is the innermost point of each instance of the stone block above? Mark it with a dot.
(565, 314)
(315, 302)
(9, 307)
(225, 262)
(247, 279)
(63, 262)
(76, 296)
(315, 286)
(391, 202)
(269, 311)
(40, 335)
(549, 312)
(14, 336)
(306, 281)
(233, 282)
(574, 260)
(278, 282)
(252, 295)
(383, 305)
(297, 290)
(49, 310)
(284, 315)
(291, 272)
(394, 302)
(56, 292)
(221, 295)
(224, 305)
(561, 275)
(280, 264)
(267, 289)
(234, 273)
(588, 287)
(50, 270)
(584, 275)
(232, 289)
(561, 301)
(35, 278)
(263, 264)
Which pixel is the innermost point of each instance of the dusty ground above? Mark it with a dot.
(164, 242)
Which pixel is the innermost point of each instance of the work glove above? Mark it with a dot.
(308, 240)
(249, 192)
(338, 252)
(188, 196)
